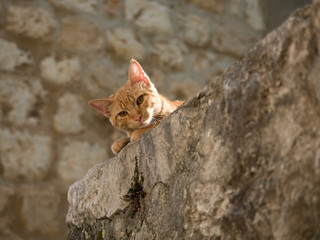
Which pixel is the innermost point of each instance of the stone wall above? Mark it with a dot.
(55, 55)
(240, 160)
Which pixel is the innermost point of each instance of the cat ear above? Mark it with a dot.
(102, 105)
(136, 73)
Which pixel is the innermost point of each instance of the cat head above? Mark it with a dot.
(134, 105)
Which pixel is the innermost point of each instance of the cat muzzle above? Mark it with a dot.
(138, 118)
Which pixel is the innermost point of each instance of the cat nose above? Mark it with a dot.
(138, 118)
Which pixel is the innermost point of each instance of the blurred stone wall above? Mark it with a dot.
(55, 55)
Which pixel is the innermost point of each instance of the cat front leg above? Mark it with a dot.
(138, 133)
(119, 144)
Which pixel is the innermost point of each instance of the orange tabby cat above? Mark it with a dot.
(136, 107)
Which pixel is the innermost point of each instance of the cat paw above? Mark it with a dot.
(138, 133)
(134, 137)
(119, 144)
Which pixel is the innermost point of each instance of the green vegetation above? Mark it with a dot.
(135, 193)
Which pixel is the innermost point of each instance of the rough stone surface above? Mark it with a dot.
(20, 97)
(132, 8)
(32, 22)
(112, 7)
(101, 197)
(235, 7)
(56, 55)
(216, 62)
(40, 206)
(60, 72)
(215, 6)
(196, 30)
(88, 6)
(191, 88)
(239, 160)
(76, 158)
(254, 15)
(68, 117)
(170, 55)
(235, 41)
(102, 75)
(80, 34)
(155, 19)
(11, 56)
(125, 44)
(24, 155)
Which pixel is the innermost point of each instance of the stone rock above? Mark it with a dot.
(215, 6)
(125, 44)
(60, 72)
(9, 235)
(40, 207)
(204, 61)
(223, 62)
(104, 77)
(101, 197)
(132, 8)
(239, 160)
(254, 15)
(6, 191)
(20, 97)
(112, 7)
(154, 19)
(68, 116)
(205, 200)
(158, 79)
(234, 8)
(34, 22)
(11, 56)
(196, 30)
(234, 38)
(88, 6)
(81, 35)
(24, 155)
(77, 158)
(209, 65)
(184, 89)
(170, 54)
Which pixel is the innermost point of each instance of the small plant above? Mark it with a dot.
(135, 193)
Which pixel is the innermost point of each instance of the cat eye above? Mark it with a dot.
(123, 114)
(140, 100)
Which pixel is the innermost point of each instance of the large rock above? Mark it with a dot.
(241, 160)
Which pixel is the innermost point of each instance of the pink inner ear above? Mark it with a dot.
(136, 73)
(102, 105)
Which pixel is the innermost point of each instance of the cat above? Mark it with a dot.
(136, 107)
